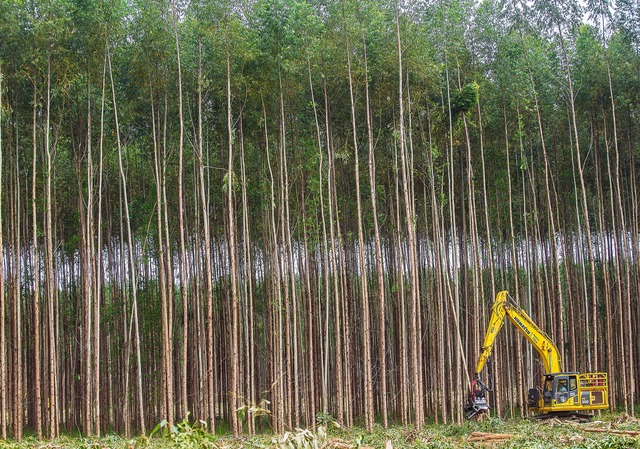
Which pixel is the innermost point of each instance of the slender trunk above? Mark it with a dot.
(16, 357)
(607, 288)
(132, 262)
(514, 258)
(250, 369)
(325, 350)
(167, 358)
(99, 274)
(88, 277)
(36, 271)
(207, 244)
(407, 172)
(335, 269)
(382, 344)
(235, 355)
(276, 307)
(53, 382)
(3, 342)
(364, 282)
(184, 296)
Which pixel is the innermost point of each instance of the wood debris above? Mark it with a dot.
(552, 422)
(624, 418)
(487, 436)
(632, 433)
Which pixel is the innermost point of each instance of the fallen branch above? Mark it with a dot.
(485, 436)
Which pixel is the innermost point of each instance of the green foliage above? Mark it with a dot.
(465, 99)
(185, 434)
(613, 442)
(327, 420)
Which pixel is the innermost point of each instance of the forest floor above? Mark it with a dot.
(606, 431)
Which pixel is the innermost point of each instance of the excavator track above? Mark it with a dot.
(565, 416)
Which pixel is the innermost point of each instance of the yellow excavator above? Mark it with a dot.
(563, 394)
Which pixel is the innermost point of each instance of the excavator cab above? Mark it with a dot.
(560, 388)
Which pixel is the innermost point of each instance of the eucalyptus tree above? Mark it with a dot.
(600, 11)
(626, 18)
(156, 47)
(535, 60)
(564, 17)
(407, 169)
(205, 30)
(36, 278)
(382, 304)
(184, 294)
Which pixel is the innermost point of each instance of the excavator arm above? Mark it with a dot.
(504, 309)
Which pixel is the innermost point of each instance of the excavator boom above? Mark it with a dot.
(542, 343)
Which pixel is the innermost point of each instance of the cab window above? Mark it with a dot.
(548, 385)
(562, 386)
(573, 383)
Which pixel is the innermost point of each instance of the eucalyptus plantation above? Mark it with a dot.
(280, 214)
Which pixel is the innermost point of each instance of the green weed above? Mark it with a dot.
(184, 434)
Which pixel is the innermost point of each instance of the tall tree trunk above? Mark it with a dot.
(184, 295)
(250, 367)
(514, 261)
(364, 282)
(3, 342)
(335, 269)
(36, 271)
(207, 246)
(549, 190)
(325, 246)
(98, 270)
(50, 275)
(132, 262)
(407, 172)
(235, 353)
(277, 366)
(16, 319)
(167, 345)
(88, 277)
(382, 348)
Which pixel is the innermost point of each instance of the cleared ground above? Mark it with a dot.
(606, 431)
